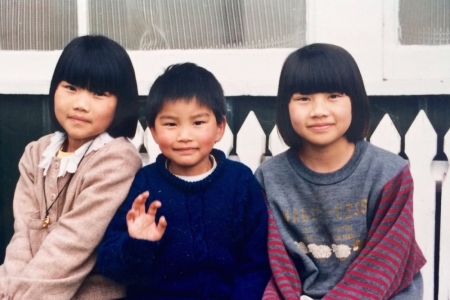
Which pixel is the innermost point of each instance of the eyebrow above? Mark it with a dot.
(192, 117)
(205, 114)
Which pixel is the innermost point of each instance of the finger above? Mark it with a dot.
(153, 208)
(139, 203)
(130, 216)
(162, 225)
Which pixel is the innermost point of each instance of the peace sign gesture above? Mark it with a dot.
(141, 224)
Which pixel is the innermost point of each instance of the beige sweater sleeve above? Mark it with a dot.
(18, 252)
(68, 252)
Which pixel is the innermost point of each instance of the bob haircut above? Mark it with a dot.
(99, 64)
(321, 68)
(186, 82)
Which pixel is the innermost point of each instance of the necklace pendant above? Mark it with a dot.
(46, 222)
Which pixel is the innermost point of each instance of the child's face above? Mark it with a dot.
(83, 114)
(321, 119)
(186, 132)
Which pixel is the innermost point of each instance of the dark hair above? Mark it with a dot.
(185, 82)
(321, 68)
(99, 64)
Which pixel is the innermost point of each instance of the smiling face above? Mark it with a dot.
(83, 114)
(186, 132)
(321, 119)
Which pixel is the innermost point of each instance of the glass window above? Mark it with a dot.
(38, 24)
(200, 24)
(424, 22)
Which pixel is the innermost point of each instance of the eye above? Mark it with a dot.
(70, 87)
(169, 124)
(299, 97)
(336, 95)
(101, 94)
(198, 123)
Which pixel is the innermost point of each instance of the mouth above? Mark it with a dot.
(320, 126)
(78, 119)
(185, 150)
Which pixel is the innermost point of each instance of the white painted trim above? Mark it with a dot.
(387, 67)
(83, 17)
(310, 21)
(411, 62)
(241, 72)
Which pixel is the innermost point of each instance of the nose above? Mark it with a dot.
(319, 107)
(82, 100)
(184, 134)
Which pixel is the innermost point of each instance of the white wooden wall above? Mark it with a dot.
(420, 148)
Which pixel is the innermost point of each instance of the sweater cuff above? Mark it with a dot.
(139, 251)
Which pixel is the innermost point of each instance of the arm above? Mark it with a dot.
(391, 256)
(68, 253)
(132, 238)
(412, 292)
(284, 282)
(18, 252)
(253, 270)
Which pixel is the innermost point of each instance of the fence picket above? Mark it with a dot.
(444, 251)
(420, 147)
(386, 136)
(151, 146)
(138, 138)
(251, 142)
(276, 144)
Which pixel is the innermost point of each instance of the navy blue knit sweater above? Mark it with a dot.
(215, 244)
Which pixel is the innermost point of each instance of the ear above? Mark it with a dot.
(221, 129)
(154, 134)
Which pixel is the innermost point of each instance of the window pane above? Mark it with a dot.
(200, 24)
(424, 22)
(38, 24)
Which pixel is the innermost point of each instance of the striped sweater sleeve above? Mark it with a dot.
(391, 256)
(285, 282)
(385, 266)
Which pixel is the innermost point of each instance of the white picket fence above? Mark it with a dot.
(420, 148)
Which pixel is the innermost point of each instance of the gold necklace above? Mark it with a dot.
(47, 220)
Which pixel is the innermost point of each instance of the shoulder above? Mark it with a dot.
(230, 171)
(33, 150)
(274, 162)
(121, 147)
(39, 144)
(120, 144)
(116, 155)
(237, 168)
(382, 162)
(273, 166)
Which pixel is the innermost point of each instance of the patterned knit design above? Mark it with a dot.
(215, 243)
(385, 266)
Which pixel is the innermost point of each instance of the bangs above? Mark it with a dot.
(95, 63)
(186, 82)
(318, 72)
(93, 72)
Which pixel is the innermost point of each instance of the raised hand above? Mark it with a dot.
(141, 224)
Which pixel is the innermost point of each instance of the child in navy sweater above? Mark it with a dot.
(194, 224)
